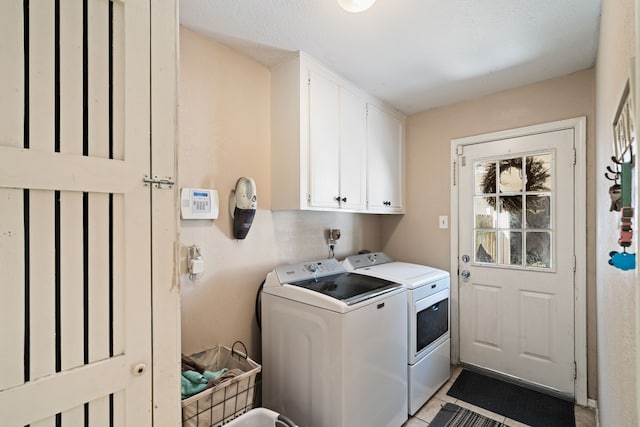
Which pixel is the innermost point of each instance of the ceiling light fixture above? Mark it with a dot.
(356, 6)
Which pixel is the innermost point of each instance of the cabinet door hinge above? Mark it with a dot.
(159, 182)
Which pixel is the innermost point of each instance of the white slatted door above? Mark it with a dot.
(75, 316)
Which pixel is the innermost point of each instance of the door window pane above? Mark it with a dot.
(486, 247)
(510, 212)
(511, 175)
(538, 211)
(485, 212)
(485, 178)
(539, 249)
(539, 173)
(511, 244)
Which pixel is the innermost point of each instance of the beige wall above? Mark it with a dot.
(224, 114)
(617, 290)
(416, 237)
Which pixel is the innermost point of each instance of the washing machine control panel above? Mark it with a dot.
(309, 270)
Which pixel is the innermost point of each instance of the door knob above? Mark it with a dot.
(139, 369)
(465, 258)
(465, 275)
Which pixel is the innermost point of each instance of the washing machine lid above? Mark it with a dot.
(410, 275)
(350, 288)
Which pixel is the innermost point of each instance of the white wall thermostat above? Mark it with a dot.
(198, 203)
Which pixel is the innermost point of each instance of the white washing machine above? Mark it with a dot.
(429, 350)
(334, 346)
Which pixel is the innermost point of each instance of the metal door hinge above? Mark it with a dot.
(575, 263)
(575, 370)
(158, 182)
(575, 157)
(454, 173)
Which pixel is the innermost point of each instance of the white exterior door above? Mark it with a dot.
(516, 258)
(75, 297)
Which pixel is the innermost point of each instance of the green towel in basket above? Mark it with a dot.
(193, 382)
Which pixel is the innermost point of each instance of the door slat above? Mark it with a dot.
(13, 288)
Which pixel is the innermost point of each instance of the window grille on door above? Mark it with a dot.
(513, 205)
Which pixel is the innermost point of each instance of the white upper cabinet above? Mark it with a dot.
(324, 142)
(353, 167)
(319, 140)
(385, 161)
(336, 146)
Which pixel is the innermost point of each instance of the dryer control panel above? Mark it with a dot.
(355, 262)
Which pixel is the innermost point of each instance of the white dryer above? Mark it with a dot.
(334, 346)
(429, 350)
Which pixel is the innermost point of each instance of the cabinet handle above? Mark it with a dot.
(344, 199)
(337, 199)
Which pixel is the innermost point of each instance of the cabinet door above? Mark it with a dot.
(385, 161)
(324, 142)
(352, 151)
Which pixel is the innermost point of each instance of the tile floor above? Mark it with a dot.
(585, 417)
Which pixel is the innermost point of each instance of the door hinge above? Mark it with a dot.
(575, 157)
(159, 182)
(575, 370)
(454, 173)
(575, 263)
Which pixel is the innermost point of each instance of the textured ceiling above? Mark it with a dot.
(414, 54)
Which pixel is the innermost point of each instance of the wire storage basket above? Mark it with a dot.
(219, 405)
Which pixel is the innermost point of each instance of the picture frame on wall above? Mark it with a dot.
(624, 129)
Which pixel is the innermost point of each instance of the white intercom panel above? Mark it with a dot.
(199, 203)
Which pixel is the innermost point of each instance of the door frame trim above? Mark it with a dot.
(165, 251)
(578, 125)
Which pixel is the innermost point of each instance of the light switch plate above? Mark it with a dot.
(443, 221)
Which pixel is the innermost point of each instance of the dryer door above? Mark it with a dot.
(430, 324)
